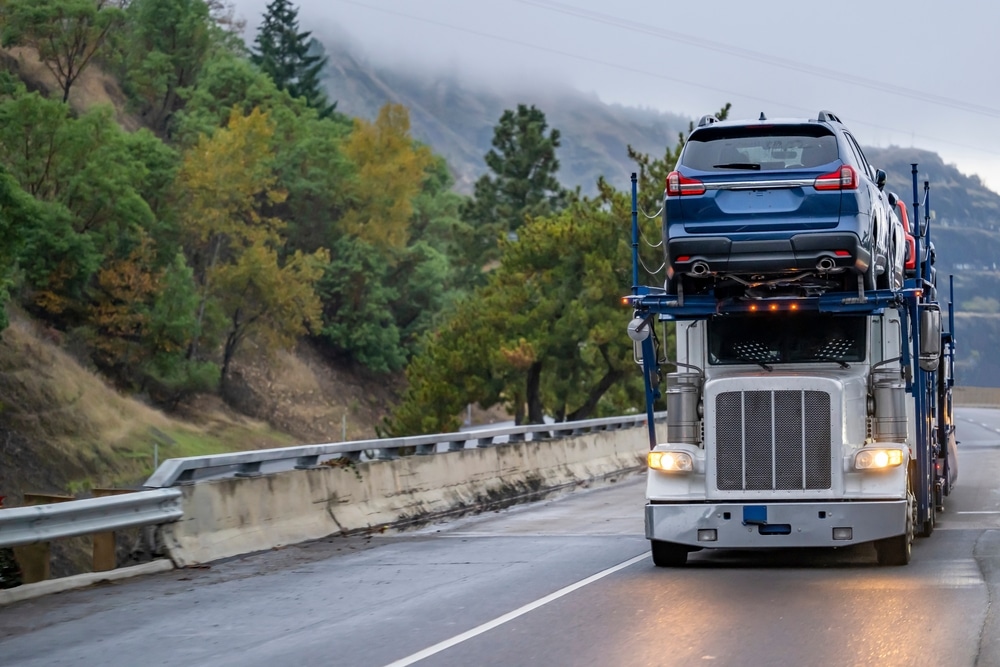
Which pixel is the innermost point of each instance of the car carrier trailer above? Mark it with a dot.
(797, 420)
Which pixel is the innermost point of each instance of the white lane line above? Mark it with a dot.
(980, 512)
(510, 616)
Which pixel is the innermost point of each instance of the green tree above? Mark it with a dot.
(289, 57)
(167, 374)
(544, 336)
(67, 34)
(521, 182)
(18, 211)
(87, 175)
(358, 321)
(163, 49)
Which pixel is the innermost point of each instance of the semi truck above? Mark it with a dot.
(817, 418)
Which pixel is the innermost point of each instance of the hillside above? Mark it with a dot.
(58, 409)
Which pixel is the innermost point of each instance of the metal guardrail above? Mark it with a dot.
(161, 504)
(42, 523)
(252, 463)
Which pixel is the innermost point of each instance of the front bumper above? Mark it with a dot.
(785, 524)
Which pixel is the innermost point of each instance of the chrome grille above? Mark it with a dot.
(772, 440)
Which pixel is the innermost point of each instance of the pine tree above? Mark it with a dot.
(522, 183)
(291, 58)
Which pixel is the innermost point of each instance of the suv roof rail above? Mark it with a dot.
(825, 115)
(707, 119)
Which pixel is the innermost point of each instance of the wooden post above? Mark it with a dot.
(33, 559)
(105, 557)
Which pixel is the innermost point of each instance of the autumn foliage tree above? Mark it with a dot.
(390, 169)
(226, 180)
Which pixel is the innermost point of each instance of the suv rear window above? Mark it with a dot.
(760, 147)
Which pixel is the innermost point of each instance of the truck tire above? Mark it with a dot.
(897, 550)
(668, 554)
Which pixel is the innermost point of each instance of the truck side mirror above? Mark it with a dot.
(930, 337)
(880, 178)
(638, 330)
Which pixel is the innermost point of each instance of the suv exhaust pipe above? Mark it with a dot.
(699, 268)
(825, 264)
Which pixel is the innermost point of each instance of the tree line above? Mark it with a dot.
(247, 208)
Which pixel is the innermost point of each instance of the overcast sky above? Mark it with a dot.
(903, 72)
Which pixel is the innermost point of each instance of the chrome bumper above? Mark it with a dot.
(777, 525)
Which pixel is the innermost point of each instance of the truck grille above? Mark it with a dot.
(772, 440)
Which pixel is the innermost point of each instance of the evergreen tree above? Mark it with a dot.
(522, 182)
(291, 58)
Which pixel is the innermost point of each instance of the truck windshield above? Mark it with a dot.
(799, 338)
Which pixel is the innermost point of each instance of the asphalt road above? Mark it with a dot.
(562, 582)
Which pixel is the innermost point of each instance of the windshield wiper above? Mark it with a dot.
(843, 364)
(738, 165)
(760, 363)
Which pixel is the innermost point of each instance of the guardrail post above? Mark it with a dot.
(33, 559)
(456, 445)
(307, 462)
(105, 557)
(249, 469)
(485, 442)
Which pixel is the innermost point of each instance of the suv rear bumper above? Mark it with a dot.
(801, 252)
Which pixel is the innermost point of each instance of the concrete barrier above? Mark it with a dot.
(977, 397)
(234, 516)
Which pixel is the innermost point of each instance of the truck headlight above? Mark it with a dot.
(878, 458)
(670, 461)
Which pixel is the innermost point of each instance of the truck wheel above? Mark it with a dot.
(668, 554)
(898, 549)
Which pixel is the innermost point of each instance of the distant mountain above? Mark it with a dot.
(456, 119)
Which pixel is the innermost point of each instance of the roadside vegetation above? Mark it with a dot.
(223, 209)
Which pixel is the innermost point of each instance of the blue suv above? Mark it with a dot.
(772, 205)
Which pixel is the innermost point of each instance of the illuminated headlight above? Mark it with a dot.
(873, 458)
(670, 461)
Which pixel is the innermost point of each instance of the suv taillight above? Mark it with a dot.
(679, 185)
(844, 178)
